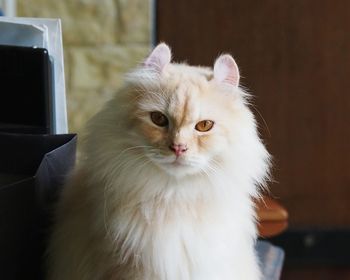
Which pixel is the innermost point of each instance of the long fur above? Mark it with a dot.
(126, 214)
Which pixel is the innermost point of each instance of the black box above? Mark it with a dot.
(26, 90)
(33, 163)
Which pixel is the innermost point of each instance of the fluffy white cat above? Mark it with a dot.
(164, 190)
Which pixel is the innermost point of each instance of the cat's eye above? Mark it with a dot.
(204, 126)
(159, 119)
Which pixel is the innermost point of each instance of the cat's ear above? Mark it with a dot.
(159, 58)
(226, 70)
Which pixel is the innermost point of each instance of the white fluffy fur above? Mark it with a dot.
(125, 214)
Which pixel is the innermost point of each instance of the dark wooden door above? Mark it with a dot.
(294, 56)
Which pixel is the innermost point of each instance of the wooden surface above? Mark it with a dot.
(294, 56)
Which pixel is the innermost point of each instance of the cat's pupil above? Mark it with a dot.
(159, 119)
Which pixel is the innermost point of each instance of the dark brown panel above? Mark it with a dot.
(319, 273)
(295, 58)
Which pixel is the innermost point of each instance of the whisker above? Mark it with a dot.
(262, 118)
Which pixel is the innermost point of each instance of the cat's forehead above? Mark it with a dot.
(184, 103)
(184, 78)
(188, 93)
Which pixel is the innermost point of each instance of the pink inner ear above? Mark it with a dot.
(226, 70)
(159, 58)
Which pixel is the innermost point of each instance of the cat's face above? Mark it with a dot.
(184, 125)
(185, 121)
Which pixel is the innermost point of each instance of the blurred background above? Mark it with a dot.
(294, 56)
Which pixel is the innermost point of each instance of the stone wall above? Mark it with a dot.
(102, 40)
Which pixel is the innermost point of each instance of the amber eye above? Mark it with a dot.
(159, 119)
(204, 126)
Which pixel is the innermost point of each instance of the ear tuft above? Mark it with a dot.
(226, 70)
(159, 58)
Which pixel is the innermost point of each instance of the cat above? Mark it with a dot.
(165, 187)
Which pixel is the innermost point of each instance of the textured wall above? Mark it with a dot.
(102, 40)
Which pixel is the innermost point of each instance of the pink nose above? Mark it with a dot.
(178, 149)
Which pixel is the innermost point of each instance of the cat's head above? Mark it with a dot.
(187, 119)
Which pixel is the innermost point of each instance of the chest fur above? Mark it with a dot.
(179, 241)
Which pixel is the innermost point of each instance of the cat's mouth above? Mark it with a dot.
(178, 161)
(175, 161)
(175, 165)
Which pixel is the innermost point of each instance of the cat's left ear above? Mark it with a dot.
(226, 70)
(159, 58)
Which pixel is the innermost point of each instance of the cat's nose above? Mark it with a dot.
(178, 149)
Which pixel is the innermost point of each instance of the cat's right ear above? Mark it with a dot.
(159, 58)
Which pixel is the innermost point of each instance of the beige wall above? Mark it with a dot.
(102, 40)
